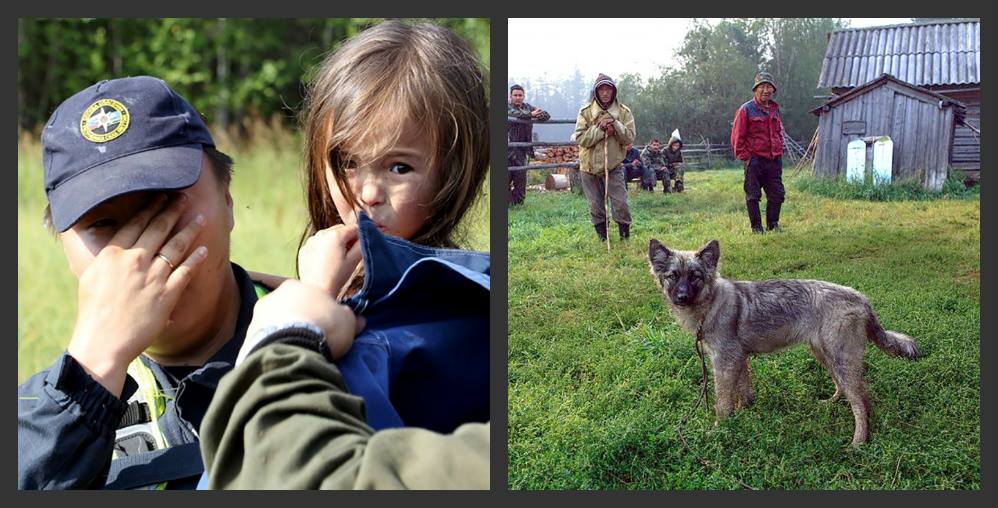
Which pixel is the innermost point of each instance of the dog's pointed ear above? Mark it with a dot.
(710, 254)
(658, 255)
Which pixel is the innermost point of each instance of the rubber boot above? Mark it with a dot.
(679, 186)
(624, 229)
(601, 231)
(773, 215)
(755, 218)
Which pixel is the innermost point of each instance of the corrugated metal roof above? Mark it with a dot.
(923, 54)
(944, 101)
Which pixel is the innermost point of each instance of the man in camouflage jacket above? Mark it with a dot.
(653, 159)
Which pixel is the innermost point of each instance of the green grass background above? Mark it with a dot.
(600, 373)
(270, 213)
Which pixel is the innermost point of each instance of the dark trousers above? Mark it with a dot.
(766, 174)
(517, 180)
(762, 174)
(645, 175)
(662, 174)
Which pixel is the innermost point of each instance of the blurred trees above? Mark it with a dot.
(230, 69)
(717, 63)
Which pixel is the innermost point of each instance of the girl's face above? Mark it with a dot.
(394, 189)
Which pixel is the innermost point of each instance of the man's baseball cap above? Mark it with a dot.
(115, 137)
(763, 77)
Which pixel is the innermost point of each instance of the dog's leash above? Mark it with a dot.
(695, 406)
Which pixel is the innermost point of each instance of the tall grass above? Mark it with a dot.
(904, 190)
(269, 210)
(600, 374)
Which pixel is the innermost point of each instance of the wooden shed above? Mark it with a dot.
(919, 122)
(941, 56)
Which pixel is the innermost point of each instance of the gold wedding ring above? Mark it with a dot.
(164, 258)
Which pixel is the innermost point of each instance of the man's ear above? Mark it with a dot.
(228, 213)
(709, 255)
(658, 256)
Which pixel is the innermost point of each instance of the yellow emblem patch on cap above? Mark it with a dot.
(104, 120)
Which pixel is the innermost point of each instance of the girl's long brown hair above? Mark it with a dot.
(361, 99)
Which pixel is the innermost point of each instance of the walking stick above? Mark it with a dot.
(606, 189)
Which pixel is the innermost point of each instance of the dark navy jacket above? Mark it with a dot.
(423, 358)
(66, 421)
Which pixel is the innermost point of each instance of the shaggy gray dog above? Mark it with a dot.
(735, 319)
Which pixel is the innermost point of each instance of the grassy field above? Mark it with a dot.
(600, 373)
(269, 215)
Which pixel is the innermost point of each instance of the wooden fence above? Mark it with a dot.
(695, 155)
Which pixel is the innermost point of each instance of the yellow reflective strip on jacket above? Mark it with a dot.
(153, 395)
(149, 392)
(261, 290)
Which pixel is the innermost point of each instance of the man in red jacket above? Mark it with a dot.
(757, 139)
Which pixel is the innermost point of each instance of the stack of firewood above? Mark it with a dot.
(556, 154)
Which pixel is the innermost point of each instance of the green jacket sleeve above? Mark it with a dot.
(284, 420)
(586, 135)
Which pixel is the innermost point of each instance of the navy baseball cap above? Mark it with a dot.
(115, 137)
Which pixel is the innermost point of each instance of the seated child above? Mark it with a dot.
(674, 163)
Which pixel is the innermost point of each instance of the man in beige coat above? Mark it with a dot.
(603, 130)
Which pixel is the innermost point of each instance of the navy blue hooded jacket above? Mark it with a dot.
(423, 358)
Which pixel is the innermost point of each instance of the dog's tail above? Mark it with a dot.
(895, 343)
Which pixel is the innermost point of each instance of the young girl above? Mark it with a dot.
(396, 152)
(412, 98)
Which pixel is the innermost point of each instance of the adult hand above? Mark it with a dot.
(329, 257)
(298, 301)
(128, 292)
(536, 112)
